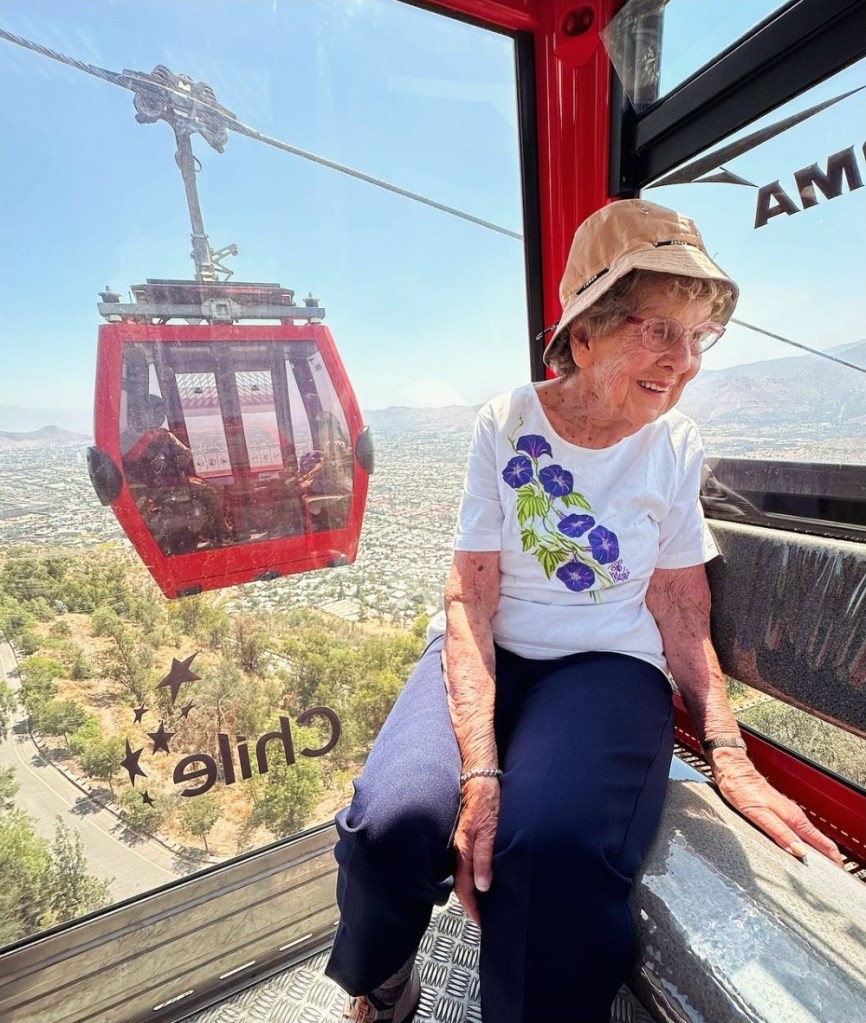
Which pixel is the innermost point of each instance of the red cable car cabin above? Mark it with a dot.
(229, 452)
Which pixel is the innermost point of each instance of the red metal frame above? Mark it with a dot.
(228, 565)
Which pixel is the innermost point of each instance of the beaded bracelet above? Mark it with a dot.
(480, 772)
(733, 741)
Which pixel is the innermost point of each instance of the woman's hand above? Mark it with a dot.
(776, 815)
(679, 600)
(473, 841)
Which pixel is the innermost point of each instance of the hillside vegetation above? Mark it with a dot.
(97, 639)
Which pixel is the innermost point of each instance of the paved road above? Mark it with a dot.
(45, 793)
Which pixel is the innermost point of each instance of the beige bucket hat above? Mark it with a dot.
(629, 234)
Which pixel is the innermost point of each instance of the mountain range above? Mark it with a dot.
(804, 390)
(790, 392)
(44, 437)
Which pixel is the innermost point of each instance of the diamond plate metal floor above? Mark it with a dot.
(448, 961)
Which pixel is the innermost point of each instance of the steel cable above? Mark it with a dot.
(242, 129)
(796, 344)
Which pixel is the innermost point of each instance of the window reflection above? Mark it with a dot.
(759, 395)
(254, 447)
(655, 45)
(238, 455)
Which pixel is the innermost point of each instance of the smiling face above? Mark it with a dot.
(624, 385)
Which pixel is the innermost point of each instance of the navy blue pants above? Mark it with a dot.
(585, 744)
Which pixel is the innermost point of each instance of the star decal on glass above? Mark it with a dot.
(180, 672)
(147, 798)
(139, 713)
(130, 763)
(160, 738)
(184, 711)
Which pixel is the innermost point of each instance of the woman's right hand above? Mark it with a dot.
(473, 841)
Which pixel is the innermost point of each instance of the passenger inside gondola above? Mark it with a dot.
(330, 490)
(182, 511)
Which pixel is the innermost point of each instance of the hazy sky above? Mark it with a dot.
(425, 309)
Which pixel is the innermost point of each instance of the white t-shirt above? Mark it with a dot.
(580, 530)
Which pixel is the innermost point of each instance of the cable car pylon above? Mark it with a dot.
(188, 107)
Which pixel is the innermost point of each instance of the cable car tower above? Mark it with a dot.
(230, 451)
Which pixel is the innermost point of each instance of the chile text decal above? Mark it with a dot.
(233, 757)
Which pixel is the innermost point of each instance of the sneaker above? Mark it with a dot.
(368, 1009)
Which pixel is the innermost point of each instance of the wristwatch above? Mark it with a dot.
(734, 741)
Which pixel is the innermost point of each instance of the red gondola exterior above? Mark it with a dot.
(256, 539)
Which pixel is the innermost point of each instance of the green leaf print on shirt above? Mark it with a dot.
(576, 500)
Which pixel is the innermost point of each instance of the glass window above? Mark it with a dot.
(656, 45)
(259, 417)
(204, 423)
(782, 208)
(187, 718)
(819, 741)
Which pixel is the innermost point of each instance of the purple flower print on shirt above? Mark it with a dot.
(576, 575)
(604, 544)
(558, 482)
(518, 471)
(534, 445)
(557, 523)
(575, 525)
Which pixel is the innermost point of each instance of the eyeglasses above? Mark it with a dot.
(659, 333)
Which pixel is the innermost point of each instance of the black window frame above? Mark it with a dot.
(795, 48)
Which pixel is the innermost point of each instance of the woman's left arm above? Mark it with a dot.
(679, 600)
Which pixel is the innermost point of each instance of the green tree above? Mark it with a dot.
(140, 816)
(81, 667)
(250, 645)
(105, 622)
(100, 758)
(198, 814)
(9, 786)
(84, 735)
(26, 869)
(14, 616)
(59, 717)
(37, 680)
(202, 616)
(27, 642)
(128, 663)
(232, 702)
(29, 578)
(372, 702)
(71, 890)
(292, 791)
(7, 708)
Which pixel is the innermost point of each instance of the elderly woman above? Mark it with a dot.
(532, 780)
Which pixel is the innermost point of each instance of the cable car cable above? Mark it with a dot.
(122, 80)
(44, 51)
(242, 129)
(796, 344)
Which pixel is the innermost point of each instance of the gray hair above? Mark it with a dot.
(628, 295)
